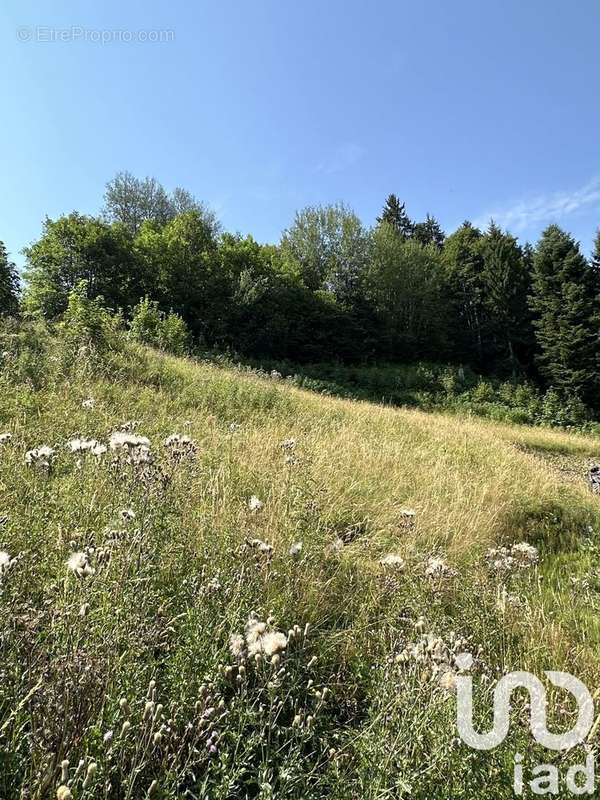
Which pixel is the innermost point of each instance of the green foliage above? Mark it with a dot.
(406, 288)
(394, 214)
(75, 248)
(128, 663)
(332, 289)
(149, 325)
(566, 303)
(9, 284)
(328, 248)
(132, 201)
(87, 324)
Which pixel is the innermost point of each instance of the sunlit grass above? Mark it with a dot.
(171, 586)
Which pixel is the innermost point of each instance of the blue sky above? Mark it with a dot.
(463, 109)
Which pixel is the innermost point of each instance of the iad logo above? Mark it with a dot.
(546, 778)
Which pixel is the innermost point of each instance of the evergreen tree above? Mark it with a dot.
(9, 284)
(566, 302)
(595, 260)
(506, 285)
(463, 264)
(429, 232)
(394, 214)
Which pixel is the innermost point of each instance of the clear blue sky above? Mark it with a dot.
(259, 107)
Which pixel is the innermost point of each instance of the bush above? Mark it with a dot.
(87, 327)
(149, 325)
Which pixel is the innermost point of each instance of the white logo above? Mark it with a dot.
(537, 722)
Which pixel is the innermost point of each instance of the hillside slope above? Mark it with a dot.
(214, 618)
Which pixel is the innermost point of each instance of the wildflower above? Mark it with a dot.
(437, 568)
(88, 404)
(393, 561)
(275, 375)
(420, 625)
(5, 438)
(127, 514)
(40, 456)
(90, 775)
(83, 445)
(233, 427)
(448, 680)
(79, 564)
(237, 646)
(508, 559)
(409, 513)
(288, 444)
(180, 446)
(261, 641)
(295, 549)
(5, 562)
(262, 547)
(254, 504)
(125, 440)
(63, 793)
(136, 447)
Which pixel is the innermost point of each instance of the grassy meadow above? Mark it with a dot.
(270, 605)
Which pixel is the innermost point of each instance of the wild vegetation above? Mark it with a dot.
(215, 584)
(335, 290)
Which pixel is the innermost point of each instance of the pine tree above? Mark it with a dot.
(506, 284)
(429, 232)
(9, 284)
(566, 302)
(595, 260)
(394, 214)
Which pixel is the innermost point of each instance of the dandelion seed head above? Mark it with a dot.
(295, 549)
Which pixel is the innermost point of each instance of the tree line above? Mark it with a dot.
(332, 288)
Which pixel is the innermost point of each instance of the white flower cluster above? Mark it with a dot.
(393, 561)
(79, 565)
(261, 547)
(254, 504)
(443, 659)
(436, 567)
(261, 641)
(5, 438)
(6, 562)
(40, 457)
(87, 446)
(136, 448)
(516, 556)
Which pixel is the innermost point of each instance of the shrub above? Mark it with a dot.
(87, 327)
(149, 325)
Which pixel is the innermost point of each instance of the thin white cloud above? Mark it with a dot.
(343, 157)
(543, 208)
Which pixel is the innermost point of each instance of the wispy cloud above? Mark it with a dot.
(544, 207)
(344, 156)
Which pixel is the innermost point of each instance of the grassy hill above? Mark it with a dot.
(210, 617)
